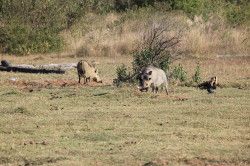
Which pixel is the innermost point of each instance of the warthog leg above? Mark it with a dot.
(153, 89)
(79, 81)
(166, 87)
(156, 89)
(85, 80)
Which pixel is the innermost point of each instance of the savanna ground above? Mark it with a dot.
(52, 120)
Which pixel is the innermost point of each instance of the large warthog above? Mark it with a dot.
(152, 77)
(88, 72)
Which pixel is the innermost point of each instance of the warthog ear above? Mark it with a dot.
(149, 73)
(80, 62)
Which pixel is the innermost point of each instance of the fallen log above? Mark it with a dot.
(6, 66)
(31, 70)
(65, 66)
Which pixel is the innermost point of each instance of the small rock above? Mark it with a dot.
(44, 143)
(13, 79)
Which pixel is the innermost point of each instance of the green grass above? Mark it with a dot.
(105, 125)
(122, 126)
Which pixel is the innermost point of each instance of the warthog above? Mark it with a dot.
(87, 71)
(210, 85)
(152, 77)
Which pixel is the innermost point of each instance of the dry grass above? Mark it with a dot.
(213, 38)
(231, 72)
(118, 35)
(104, 37)
(45, 121)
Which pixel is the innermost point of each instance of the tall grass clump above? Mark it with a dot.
(179, 73)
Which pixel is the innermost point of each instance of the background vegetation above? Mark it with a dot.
(32, 26)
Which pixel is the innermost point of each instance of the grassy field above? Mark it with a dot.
(52, 120)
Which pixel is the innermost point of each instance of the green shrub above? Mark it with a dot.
(236, 11)
(191, 7)
(179, 73)
(34, 26)
(21, 40)
(196, 77)
(122, 73)
(14, 39)
(100, 6)
(123, 5)
(237, 15)
(123, 76)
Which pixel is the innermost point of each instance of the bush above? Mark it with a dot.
(123, 5)
(21, 40)
(123, 76)
(122, 73)
(34, 26)
(191, 7)
(13, 39)
(157, 48)
(100, 6)
(196, 77)
(179, 73)
(237, 15)
(236, 11)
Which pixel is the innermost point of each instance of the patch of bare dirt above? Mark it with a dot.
(195, 162)
(43, 161)
(26, 162)
(179, 98)
(206, 162)
(31, 86)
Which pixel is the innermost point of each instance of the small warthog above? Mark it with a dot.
(210, 85)
(152, 77)
(87, 71)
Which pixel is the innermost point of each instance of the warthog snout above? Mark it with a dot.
(97, 80)
(143, 89)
